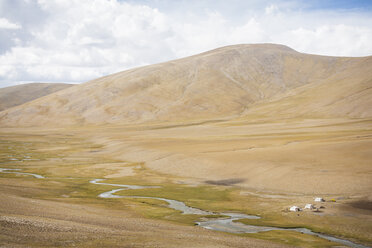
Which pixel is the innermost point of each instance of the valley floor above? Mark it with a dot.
(29, 222)
(259, 168)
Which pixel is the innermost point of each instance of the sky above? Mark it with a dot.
(75, 41)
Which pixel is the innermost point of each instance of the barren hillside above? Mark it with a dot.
(234, 81)
(20, 94)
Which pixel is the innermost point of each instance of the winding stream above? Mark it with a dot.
(224, 224)
(17, 171)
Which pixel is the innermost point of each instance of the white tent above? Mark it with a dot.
(294, 209)
(319, 199)
(309, 206)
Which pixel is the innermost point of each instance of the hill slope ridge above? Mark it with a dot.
(19, 94)
(232, 81)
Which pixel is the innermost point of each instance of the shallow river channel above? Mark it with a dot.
(223, 224)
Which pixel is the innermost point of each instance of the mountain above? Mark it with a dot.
(17, 95)
(261, 80)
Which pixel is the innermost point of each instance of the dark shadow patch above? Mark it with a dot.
(225, 182)
(362, 204)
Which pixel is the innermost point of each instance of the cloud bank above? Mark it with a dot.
(79, 40)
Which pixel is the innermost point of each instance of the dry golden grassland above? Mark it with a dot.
(66, 201)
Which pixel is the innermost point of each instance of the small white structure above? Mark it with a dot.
(309, 206)
(294, 209)
(319, 199)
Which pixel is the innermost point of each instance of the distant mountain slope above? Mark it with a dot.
(233, 81)
(20, 94)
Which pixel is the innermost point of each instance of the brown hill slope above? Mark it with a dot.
(262, 79)
(20, 94)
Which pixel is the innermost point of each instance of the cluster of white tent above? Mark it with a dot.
(307, 206)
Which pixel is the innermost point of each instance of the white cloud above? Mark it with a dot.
(342, 40)
(78, 40)
(86, 39)
(6, 24)
(271, 9)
